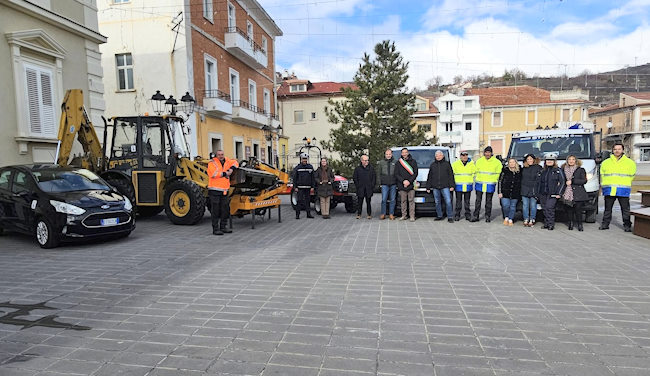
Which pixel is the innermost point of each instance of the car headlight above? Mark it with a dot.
(64, 208)
(127, 204)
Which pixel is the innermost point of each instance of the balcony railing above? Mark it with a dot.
(216, 94)
(244, 47)
(217, 102)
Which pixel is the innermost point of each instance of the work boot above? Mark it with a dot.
(226, 230)
(382, 217)
(217, 232)
(309, 215)
(297, 215)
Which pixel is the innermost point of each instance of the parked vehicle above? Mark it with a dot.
(564, 142)
(55, 203)
(424, 156)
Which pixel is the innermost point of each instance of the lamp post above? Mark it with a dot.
(170, 105)
(157, 100)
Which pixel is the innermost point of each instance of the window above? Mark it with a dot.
(297, 88)
(298, 116)
(216, 144)
(468, 103)
(256, 150)
(207, 10)
(531, 116)
(267, 101)
(249, 30)
(566, 114)
(210, 74)
(234, 85)
(644, 154)
(421, 107)
(40, 101)
(645, 124)
(449, 127)
(424, 127)
(449, 105)
(22, 183)
(239, 150)
(265, 44)
(252, 93)
(4, 179)
(231, 16)
(124, 63)
(496, 119)
(468, 126)
(121, 1)
(313, 116)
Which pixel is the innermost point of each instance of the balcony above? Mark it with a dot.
(245, 49)
(217, 102)
(450, 137)
(451, 116)
(246, 113)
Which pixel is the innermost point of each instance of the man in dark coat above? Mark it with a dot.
(406, 172)
(364, 180)
(441, 181)
(303, 182)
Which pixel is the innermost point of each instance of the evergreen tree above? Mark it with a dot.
(375, 116)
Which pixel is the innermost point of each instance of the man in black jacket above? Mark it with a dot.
(303, 182)
(364, 180)
(406, 172)
(441, 181)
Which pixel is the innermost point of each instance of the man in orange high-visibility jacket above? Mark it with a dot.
(219, 170)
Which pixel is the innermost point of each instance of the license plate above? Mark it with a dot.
(109, 221)
(419, 200)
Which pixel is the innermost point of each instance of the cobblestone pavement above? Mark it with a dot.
(331, 297)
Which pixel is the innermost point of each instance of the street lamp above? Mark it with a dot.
(170, 105)
(188, 103)
(158, 100)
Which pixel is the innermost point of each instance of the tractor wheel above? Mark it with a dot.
(125, 187)
(149, 211)
(184, 202)
(317, 207)
(351, 204)
(294, 199)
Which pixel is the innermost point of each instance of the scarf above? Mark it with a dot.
(568, 173)
(406, 166)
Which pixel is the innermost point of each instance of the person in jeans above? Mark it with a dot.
(550, 187)
(406, 172)
(616, 175)
(509, 190)
(364, 180)
(441, 181)
(386, 179)
(574, 195)
(529, 181)
(464, 172)
(324, 180)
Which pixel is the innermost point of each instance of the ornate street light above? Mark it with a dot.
(157, 100)
(170, 105)
(188, 103)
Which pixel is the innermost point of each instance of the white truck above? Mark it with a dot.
(424, 156)
(564, 142)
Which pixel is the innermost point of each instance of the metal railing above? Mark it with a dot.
(256, 109)
(235, 29)
(216, 94)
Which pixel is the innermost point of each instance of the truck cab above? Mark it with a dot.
(563, 142)
(424, 156)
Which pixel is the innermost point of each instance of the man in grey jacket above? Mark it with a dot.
(386, 179)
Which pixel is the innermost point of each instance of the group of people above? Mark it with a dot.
(546, 183)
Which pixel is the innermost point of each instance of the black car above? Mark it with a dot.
(57, 203)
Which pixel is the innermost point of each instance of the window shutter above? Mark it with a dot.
(33, 101)
(47, 109)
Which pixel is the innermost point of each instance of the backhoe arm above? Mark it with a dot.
(75, 122)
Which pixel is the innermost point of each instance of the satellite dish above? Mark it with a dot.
(609, 124)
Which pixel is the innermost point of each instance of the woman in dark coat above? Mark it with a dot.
(324, 177)
(529, 181)
(575, 194)
(364, 180)
(551, 186)
(509, 189)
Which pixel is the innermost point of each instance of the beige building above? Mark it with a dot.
(426, 116)
(302, 114)
(48, 47)
(628, 122)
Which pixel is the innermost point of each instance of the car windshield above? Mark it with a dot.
(564, 145)
(424, 157)
(53, 180)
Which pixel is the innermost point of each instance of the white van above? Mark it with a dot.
(424, 156)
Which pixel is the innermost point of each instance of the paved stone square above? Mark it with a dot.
(330, 297)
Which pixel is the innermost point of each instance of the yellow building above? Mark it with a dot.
(425, 116)
(510, 109)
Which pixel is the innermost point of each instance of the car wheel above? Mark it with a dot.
(45, 236)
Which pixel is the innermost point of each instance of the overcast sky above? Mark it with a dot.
(325, 39)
